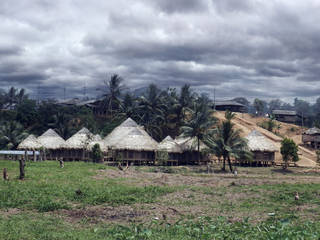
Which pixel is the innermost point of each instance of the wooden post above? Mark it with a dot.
(5, 174)
(26, 155)
(34, 156)
(22, 165)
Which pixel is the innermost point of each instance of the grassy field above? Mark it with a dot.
(92, 201)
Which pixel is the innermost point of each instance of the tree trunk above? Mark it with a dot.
(224, 164)
(229, 162)
(22, 165)
(34, 156)
(5, 174)
(198, 151)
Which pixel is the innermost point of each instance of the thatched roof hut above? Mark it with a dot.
(259, 143)
(135, 140)
(80, 140)
(312, 131)
(169, 145)
(189, 144)
(119, 132)
(30, 142)
(51, 140)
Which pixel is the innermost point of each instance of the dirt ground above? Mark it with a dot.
(204, 195)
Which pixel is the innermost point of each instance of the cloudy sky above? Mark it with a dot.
(268, 49)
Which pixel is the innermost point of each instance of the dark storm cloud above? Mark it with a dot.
(268, 49)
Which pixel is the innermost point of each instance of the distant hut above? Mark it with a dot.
(288, 116)
(173, 150)
(131, 143)
(189, 147)
(262, 148)
(77, 146)
(311, 138)
(230, 105)
(52, 143)
(30, 144)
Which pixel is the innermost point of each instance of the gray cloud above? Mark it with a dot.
(267, 49)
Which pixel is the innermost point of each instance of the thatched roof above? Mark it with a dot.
(312, 131)
(80, 140)
(169, 145)
(51, 140)
(189, 144)
(97, 137)
(135, 140)
(258, 142)
(30, 142)
(120, 131)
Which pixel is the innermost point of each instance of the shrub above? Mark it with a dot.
(289, 151)
(97, 154)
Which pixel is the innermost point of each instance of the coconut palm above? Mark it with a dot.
(227, 143)
(111, 99)
(200, 121)
(11, 134)
(151, 109)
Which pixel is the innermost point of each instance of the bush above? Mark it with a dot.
(97, 154)
(289, 151)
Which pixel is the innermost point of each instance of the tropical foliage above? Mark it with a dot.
(289, 151)
(227, 143)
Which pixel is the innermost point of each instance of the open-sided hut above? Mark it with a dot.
(130, 143)
(189, 147)
(77, 146)
(30, 144)
(52, 143)
(170, 149)
(311, 137)
(262, 148)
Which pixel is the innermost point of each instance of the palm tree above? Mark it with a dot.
(151, 110)
(128, 106)
(226, 142)
(200, 122)
(11, 134)
(111, 99)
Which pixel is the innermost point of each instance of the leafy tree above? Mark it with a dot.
(274, 104)
(11, 134)
(289, 151)
(259, 106)
(199, 122)
(97, 154)
(226, 142)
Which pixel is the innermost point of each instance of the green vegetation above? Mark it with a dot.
(289, 151)
(97, 154)
(47, 188)
(55, 203)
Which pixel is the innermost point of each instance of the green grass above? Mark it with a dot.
(40, 226)
(48, 188)
(242, 211)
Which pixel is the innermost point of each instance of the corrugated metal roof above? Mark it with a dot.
(284, 112)
(15, 152)
(228, 103)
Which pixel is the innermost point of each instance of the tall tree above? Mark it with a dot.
(111, 98)
(199, 121)
(151, 109)
(226, 142)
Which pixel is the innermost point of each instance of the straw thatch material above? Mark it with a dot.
(80, 140)
(30, 142)
(190, 144)
(97, 137)
(312, 131)
(169, 145)
(259, 143)
(51, 140)
(135, 140)
(122, 130)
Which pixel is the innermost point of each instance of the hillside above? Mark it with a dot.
(247, 123)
